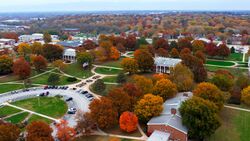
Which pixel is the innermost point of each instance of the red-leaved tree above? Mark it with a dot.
(128, 121)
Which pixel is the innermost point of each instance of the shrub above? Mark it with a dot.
(71, 79)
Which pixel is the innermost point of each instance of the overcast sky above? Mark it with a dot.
(102, 5)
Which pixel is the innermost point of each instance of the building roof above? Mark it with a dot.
(69, 52)
(167, 62)
(71, 29)
(159, 136)
(168, 119)
(74, 43)
(6, 40)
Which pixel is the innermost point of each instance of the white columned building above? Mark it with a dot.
(163, 64)
(69, 55)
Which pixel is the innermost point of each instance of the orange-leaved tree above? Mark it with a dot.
(39, 131)
(128, 121)
(21, 68)
(64, 132)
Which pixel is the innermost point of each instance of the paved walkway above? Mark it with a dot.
(237, 108)
(13, 114)
(101, 66)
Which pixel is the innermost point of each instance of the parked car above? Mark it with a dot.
(72, 110)
(89, 80)
(69, 99)
(84, 92)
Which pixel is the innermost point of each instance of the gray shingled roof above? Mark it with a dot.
(159, 136)
(167, 62)
(74, 44)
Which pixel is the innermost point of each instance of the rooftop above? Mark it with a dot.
(168, 62)
(159, 136)
(74, 43)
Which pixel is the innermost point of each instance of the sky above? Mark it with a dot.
(107, 5)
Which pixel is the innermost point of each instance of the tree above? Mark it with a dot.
(9, 132)
(24, 49)
(183, 77)
(85, 123)
(11, 35)
(224, 82)
(103, 112)
(85, 57)
(165, 88)
(174, 53)
(200, 117)
(47, 37)
(184, 43)
(120, 99)
(121, 48)
(39, 131)
(245, 95)
(21, 68)
(121, 78)
(223, 50)
(199, 54)
(210, 92)
(37, 48)
(198, 45)
(130, 65)
(6, 64)
(158, 76)
(64, 132)
(232, 50)
(99, 86)
(52, 52)
(161, 43)
(143, 83)
(211, 49)
(128, 122)
(106, 45)
(185, 51)
(88, 45)
(148, 107)
(145, 60)
(173, 44)
(53, 79)
(59, 64)
(40, 63)
(162, 52)
(130, 42)
(134, 92)
(115, 54)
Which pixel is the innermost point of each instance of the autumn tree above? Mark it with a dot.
(158, 76)
(99, 85)
(52, 52)
(11, 35)
(37, 48)
(64, 132)
(85, 123)
(103, 112)
(128, 122)
(199, 54)
(133, 91)
(121, 47)
(198, 45)
(88, 45)
(211, 49)
(162, 52)
(223, 51)
(6, 64)
(24, 49)
(121, 78)
(143, 83)
(165, 88)
(183, 77)
(130, 65)
(245, 95)
(224, 81)
(130, 42)
(145, 60)
(200, 117)
(59, 64)
(120, 99)
(47, 37)
(148, 107)
(115, 54)
(174, 53)
(184, 43)
(40, 63)
(39, 131)
(9, 132)
(85, 57)
(161, 43)
(21, 68)
(106, 45)
(173, 44)
(210, 92)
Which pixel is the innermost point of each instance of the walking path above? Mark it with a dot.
(237, 108)
(13, 114)
(101, 66)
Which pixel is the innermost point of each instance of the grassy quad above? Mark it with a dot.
(38, 118)
(110, 79)
(113, 63)
(17, 118)
(108, 71)
(7, 110)
(219, 63)
(10, 87)
(106, 91)
(77, 71)
(50, 106)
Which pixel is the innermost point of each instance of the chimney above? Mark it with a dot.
(173, 111)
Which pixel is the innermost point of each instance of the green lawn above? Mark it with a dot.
(17, 118)
(235, 57)
(8, 78)
(77, 71)
(106, 91)
(116, 130)
(10, 87)
(50, 106)
(219, 63)
(7, 110)
(110, 79)
(39, 118)
(43, 79)
(101, 70)
(235, 126)
(234, 71)
(113, 63)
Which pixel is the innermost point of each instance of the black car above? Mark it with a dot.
(42, 94)
(69, 99)
(84, 92)
(72, 111)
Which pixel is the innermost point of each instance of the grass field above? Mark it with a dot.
(219, 63)
(7, 110)
(50, 106)
(110, 79)
(116, 130)
(235, 57)
(108, 71)
(234, 71)
(10, 87)
(235, 126)
(77, 71)
(17, 118)
(105, 92)
(38, 118)
(112, 63)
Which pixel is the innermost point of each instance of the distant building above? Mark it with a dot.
(7, 43)
(69, 55)
(163, 64)
(36, 37)
(73, 44)
(71, 31)
(170, 120)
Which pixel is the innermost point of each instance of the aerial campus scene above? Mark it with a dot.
(124, 70)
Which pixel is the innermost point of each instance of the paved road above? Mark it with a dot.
(80, 102)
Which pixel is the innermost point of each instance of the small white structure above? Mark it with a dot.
(159, 136)
(69, 55)
(163, 64)
(7, 43)
(35, 37)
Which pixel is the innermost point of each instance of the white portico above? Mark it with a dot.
(69, 55)
(163, 64)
